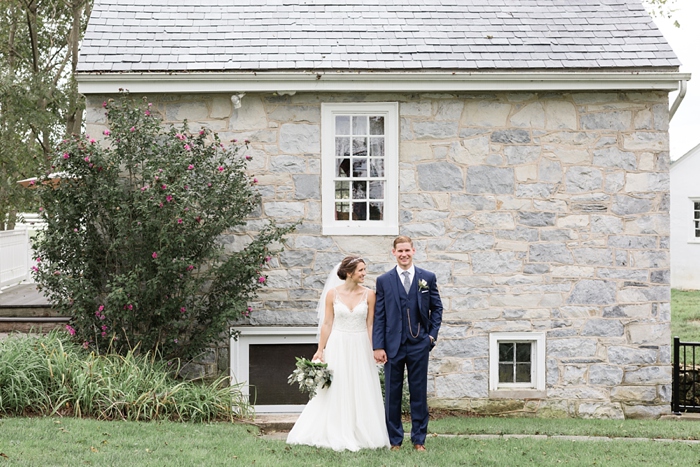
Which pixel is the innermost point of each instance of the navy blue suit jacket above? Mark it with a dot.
(386, 332)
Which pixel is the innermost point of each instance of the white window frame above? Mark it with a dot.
(240, 356)
(390, 224)
(534, 389)
(691, 236)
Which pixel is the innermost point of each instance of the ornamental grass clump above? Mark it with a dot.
(133, 250)
(49, 375)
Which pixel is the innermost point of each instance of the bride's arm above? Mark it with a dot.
(326, 327)
(371, 300)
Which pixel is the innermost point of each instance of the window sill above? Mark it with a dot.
(360, 230)
(517, 394)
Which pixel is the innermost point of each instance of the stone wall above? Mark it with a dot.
(537, 211)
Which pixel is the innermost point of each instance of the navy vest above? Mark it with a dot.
(410, 302)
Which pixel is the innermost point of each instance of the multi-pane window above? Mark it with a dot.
(360, 169)
(516, 362)
(696, 219)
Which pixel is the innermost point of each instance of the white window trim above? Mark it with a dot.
(691, 234)
(240, 353)
(390, 224)
(518, 390)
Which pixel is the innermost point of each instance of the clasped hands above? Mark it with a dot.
(380, 356)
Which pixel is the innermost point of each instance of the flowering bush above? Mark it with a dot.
(133, 246)
(311, 376)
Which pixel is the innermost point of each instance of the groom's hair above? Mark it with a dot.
(348, 266)
(402, 239)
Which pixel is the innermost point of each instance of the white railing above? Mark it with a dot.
(15, 256)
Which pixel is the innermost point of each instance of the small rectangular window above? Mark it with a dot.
(517, 362)
(696, 219)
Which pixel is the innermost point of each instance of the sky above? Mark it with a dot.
(685, 41)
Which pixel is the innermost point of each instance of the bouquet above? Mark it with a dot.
(311, 376)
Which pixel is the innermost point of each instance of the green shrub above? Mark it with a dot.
(133, 246)
(51, 375)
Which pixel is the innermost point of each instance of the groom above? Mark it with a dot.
(407, 318)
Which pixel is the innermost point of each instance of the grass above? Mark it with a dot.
(685, 315)
(52, 441)
(49, 375)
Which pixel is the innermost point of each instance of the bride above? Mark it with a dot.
(350, 413)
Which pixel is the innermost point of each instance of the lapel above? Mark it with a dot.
(419, 276)
(394, 287)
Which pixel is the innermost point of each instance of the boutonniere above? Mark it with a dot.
(422, 284)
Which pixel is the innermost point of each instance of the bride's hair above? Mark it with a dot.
(348, 266)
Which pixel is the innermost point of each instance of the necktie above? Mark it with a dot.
(406, 281)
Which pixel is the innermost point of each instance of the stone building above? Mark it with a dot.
(523, 145)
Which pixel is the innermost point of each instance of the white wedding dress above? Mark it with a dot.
(350, 413)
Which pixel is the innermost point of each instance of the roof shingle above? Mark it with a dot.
(391, 35)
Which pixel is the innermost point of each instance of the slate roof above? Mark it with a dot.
(381, 35)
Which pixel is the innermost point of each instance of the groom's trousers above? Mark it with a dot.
(413, 354)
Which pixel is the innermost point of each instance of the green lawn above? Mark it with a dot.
(685, 315)
(70, 441)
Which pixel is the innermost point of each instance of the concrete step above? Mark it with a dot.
(23, 308)
(274, 423)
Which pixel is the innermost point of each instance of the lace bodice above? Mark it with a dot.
(348, 320)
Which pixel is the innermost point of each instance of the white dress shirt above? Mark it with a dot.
(411, 273)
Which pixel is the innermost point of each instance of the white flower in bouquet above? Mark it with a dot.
(311, 376)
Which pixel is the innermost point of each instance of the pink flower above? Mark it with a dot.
(144, 188)
(267, 259)
(70, 329)
(187, 147)
(149, 104)
(41, 209)
(262, 279)
(209, 184)
(97, 313)
(175, 340)
(104, 327)
(234, 140)
(157, 177)
(220, 168)
(106, 133)
(101, 308)
(86, 344)
(35, 269)
(255, 180)
(183, 309)
(190, 267)
(147, 113)
(154, 255)
(180, 136)
(132, 129)
(164, 186)
(250, 308)
(75, 230)
(86, 158)
(160, 205)
(102, 317)
(92, 141)
(179, 221)
(201, 132)
(104, 104)
(190, 167)
(66, 155)
(38, 259)
(248, 157)
(104, 334)
(168, 198)
(32, 183)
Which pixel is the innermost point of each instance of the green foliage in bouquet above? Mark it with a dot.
(133, 250)
(311, 376)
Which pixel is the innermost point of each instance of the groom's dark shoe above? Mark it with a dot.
(395, 448)
(419, 447)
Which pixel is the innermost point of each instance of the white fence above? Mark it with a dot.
(15, 256)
